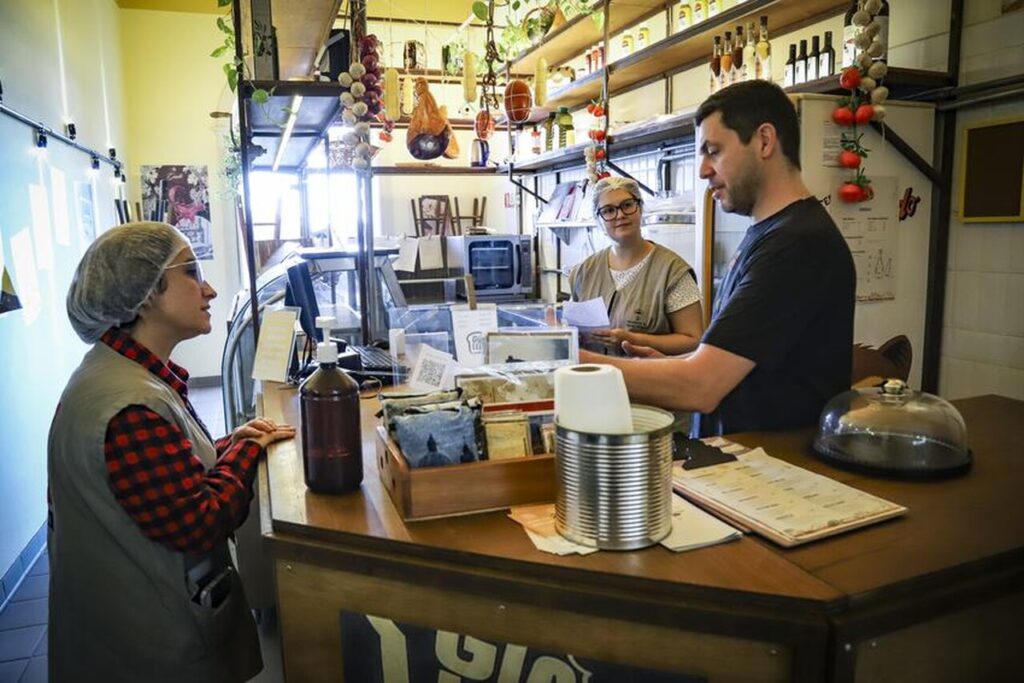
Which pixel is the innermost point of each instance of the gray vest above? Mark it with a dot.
(640, 305)
(120, 604)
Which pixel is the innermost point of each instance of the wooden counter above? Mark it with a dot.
(903, 600)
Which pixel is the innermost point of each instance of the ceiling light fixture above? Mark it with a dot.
(293, 113)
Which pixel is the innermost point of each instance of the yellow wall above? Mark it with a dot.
(171, 85)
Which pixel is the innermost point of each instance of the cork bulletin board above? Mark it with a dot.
(992, 177)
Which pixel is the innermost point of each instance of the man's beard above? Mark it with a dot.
(742, 193)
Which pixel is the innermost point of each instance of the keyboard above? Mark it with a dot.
(374, 358)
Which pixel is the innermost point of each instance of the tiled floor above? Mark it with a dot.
(23, 620)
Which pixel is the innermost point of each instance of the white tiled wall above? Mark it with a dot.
(983, 329)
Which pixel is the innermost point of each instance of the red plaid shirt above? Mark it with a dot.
(156, 478)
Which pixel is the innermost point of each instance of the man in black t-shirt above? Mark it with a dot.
(780, 341)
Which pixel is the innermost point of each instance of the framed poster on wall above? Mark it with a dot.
(992, 172)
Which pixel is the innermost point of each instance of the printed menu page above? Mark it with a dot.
(785, 503)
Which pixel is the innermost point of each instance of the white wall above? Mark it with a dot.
(38, 349)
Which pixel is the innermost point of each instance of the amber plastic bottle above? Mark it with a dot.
(332, 444)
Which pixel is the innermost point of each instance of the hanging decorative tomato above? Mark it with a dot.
(849, 159)
(864, 114)
(599, 134)
(599, 154)
(851, 193)
(850, 78)
(843, 116)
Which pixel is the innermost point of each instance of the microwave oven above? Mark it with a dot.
(500, 264)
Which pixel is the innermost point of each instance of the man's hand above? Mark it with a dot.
(641, 351)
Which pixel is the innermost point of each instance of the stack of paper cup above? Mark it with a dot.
(592, 399)
(396, 342)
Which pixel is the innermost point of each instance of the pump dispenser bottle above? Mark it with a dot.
(332, 447)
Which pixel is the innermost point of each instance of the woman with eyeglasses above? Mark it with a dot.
(142, 499)
(651, 292)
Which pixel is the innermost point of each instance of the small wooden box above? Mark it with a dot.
(428, 492)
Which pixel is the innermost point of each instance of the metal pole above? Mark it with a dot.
(245, 139)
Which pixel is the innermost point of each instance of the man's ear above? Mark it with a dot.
(768, 140)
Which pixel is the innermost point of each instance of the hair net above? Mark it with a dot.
(117, 274)
(613, 183)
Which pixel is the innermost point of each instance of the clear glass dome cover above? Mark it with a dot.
(893, 430)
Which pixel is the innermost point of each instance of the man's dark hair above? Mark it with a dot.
(747, 105)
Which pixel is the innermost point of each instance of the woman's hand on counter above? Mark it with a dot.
(262, 431)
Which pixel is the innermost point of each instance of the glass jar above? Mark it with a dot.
(566, 133)
(627, 43)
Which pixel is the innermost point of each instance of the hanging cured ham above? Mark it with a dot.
(429, 134)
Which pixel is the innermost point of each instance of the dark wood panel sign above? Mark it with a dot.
(379, 650)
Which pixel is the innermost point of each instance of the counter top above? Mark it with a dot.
(955, 528)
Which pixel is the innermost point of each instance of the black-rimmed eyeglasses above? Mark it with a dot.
(628, 208)
(193, 269)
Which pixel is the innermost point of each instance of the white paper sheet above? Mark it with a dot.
(42, 242)
(470, 329)
(26, 277)
(431, 257)
(274, 351)
(692, 528)
(59, 198)
(589, 314)
(406, 261)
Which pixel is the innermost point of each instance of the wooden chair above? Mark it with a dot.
(435, 215)
(475, 219)
(873, 366)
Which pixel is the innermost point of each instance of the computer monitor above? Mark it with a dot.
(300, 292)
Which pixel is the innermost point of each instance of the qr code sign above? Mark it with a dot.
(432, 372)
(433, 369)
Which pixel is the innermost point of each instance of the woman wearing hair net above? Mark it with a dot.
(650, 292)
(142, 499)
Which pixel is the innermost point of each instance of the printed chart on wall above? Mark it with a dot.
(870, 231)
(8, 297)
(179, 195)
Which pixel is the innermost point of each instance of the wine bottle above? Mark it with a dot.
(726, 63)
(800, 68)
(736, 75)
(716, 64)
(789, 78)
(763, 66)
(827, 58)
(684, 16)
(749, 54)
(700, 10)
(812, 60)
(850, 33)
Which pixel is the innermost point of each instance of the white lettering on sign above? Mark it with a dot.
(450, 648)
(394, 654)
